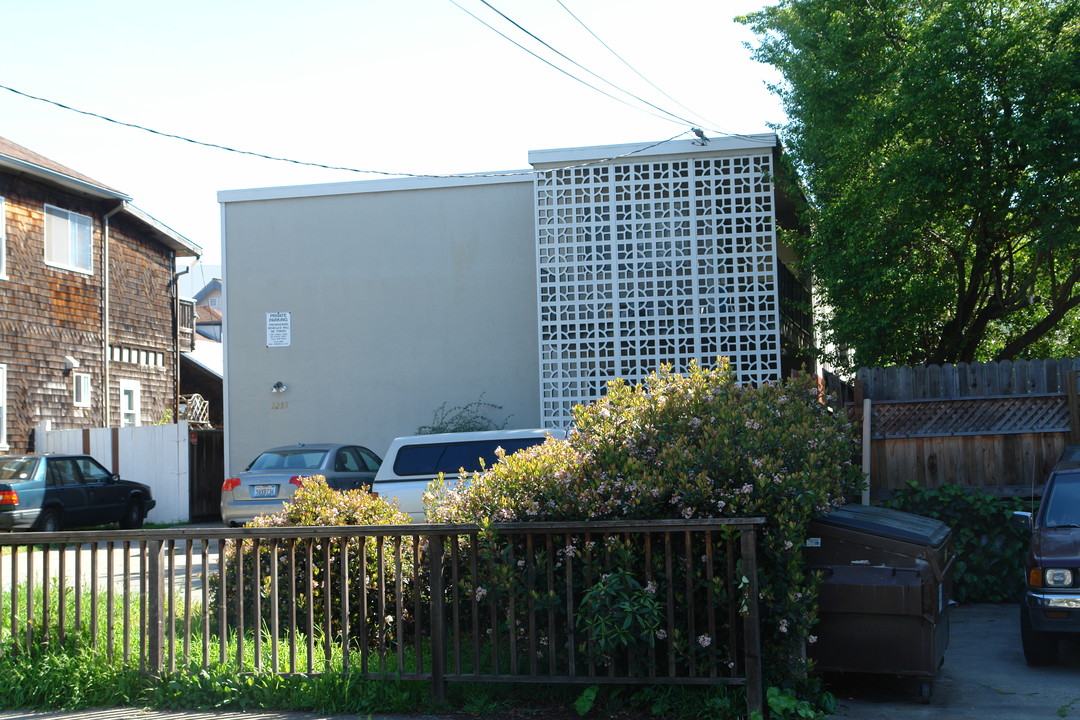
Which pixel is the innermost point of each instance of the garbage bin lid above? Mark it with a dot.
(889, 523)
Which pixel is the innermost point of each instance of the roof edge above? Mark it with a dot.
(62, 179)
(359, 187)
(544, 159)
(168, 237)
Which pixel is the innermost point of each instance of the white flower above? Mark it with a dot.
(704, 641)
(650, 588)
(480, 593)
(661, 634)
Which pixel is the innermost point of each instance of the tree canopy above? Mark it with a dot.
(938, 147)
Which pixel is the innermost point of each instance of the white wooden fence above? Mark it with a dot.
(156, 455)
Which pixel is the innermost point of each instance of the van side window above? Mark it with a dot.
(418, 459)
(450, 458)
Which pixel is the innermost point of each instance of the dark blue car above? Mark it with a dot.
(53, 492)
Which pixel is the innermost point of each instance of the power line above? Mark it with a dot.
(673, 117)
(216, 146)
(556, 67)
(627, 64)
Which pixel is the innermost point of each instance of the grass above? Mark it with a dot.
(80, 673)
(73, 675)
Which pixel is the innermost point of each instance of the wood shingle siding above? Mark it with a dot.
(50, 313)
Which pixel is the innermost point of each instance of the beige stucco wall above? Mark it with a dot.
(400, 299)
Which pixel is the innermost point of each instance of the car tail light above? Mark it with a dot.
(297, 481)
(230, 485)
(8, 496)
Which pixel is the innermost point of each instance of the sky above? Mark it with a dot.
(395, 86)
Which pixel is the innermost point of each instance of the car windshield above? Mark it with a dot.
(17, 468)
(1063, 501)
(289, 460)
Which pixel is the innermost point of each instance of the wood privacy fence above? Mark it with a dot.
(999, 426)
(532, 602)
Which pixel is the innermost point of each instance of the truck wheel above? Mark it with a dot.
(1040, 648)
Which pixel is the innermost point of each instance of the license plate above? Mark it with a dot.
(260, 491)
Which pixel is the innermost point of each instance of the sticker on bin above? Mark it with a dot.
(813, 542)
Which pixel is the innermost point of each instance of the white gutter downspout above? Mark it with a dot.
(105, 309)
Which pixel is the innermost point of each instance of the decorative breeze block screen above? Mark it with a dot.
(644, 263)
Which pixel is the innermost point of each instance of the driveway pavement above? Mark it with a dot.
(984, 677)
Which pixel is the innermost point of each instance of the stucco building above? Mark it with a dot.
(354, 310)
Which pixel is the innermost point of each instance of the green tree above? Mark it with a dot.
(937, 144)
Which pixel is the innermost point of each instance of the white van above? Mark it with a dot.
(414, 461)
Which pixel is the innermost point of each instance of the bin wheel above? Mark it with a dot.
(925, 690)
(1040, 648)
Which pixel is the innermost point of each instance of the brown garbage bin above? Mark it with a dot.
(884, 598)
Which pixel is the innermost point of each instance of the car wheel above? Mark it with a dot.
(48, 521)
(133, 516)
(1040, 648)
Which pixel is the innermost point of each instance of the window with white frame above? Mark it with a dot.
(3, 407)
(3, 238)
(81, 390)
(68, 239)
(129, 403)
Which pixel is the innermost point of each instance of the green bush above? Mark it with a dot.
(990, 551)
(689, 446)
(316, 504)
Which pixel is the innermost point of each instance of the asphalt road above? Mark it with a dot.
(984, 677)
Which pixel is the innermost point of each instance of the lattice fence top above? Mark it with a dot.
(991, 379)
(972, 416)
(650, 262)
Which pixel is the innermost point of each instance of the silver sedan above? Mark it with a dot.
(270, 481)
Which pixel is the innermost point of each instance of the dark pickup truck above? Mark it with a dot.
(1051, 605)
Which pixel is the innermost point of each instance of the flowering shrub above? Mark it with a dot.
(316, 504)
(696, 445)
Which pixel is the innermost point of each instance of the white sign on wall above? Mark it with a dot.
(278, 329)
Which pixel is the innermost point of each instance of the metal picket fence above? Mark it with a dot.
(671, 602)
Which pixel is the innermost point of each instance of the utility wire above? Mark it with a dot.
(565, 72)
(276, 158)
(631, 67)
(673, 117)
